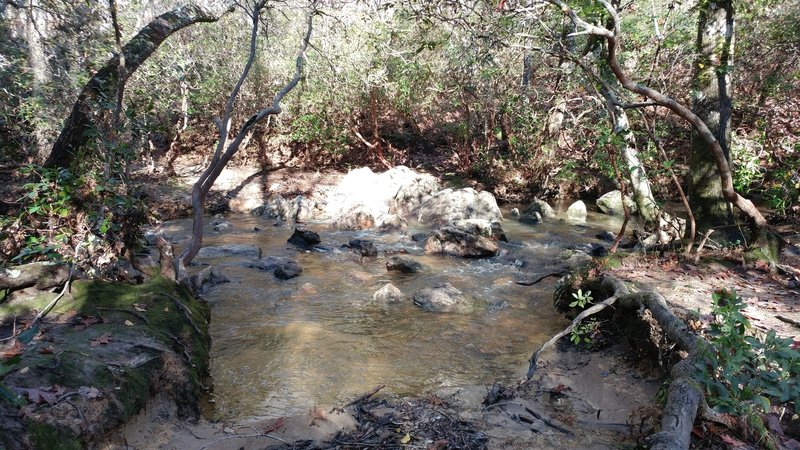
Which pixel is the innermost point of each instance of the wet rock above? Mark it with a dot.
(282, 267)
(542, 207)
(304, 238)
(498, 306)
(388, 294)
(594, 249)
(231, 250)
(419, 237)
(481, 227)
(222, 225)
(392, 223)
(515, 212)
(448, 205)
(533, 218)
(607, 236)
(455, 242)
(576, 211)
(611, 203)
(206, 279)
(363, 247)
(442, 298)
(403, 265)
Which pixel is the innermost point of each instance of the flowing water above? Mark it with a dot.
(282, 347)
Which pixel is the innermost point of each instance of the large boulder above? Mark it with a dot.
(304, 238)
(576, 211)
(611, 203)
(403, 265)
(452, 241)
(541, 207)
(231, 250)
(442, 298)
(467, 203)
(364, 197)
(283, 268)
(299, 209)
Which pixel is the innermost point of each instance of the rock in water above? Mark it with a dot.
(288, 271)
(283, 268)
(363, 247)
(442, 298)
(304, 238)
(206, 279)
(403, 265)
(389, 293)
(232, 250)
(611, 203)
(540, 206)
(455, 242)
(577, 211)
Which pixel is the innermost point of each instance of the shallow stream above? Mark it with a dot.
(283, 347)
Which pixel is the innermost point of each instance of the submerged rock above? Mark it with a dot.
(456, 242)
(403, 265)
(448, 205)
(388, 294)
(282, 267)
(304, 238)
(611, 203)
(576, 211)
(442, 298)
(206, 279)
(363, 247)
(231, 250)
(542, 208)
(607, 236)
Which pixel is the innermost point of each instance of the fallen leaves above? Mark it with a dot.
(103, 339)
(16, 349)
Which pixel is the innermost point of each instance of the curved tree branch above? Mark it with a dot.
(102, 87)
(612, 37)
(203, 185)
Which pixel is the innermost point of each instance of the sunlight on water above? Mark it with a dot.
(282, 347)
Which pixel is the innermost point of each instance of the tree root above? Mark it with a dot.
(684, 397)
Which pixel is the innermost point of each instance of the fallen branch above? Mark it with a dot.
(369, 394)
(551, 423)
(788, 320)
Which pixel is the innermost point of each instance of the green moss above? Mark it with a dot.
(45, 436)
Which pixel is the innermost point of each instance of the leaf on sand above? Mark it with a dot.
(129, 323)
(141, 307)
(89, 392)
(16, 349)
(38, 395)
(406, 439)
(103, 339)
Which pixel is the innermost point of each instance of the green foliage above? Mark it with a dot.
(583, 332)
(743, 371)
(746, 159)
(581, 299)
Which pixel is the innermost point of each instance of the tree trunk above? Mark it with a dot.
(102, 87)
(35, 33)
(712, 104)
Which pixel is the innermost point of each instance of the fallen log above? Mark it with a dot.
(684, 398)
(43, 275)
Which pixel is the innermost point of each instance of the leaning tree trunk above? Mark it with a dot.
(102, 87)
(226, 149)
(723, 168)
(712, 104)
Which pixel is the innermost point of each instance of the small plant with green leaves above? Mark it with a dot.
(743, 371)
(583, 332)
(581, 299)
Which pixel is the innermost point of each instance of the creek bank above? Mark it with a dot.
(97, 358)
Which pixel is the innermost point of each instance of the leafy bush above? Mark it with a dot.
(744, 371)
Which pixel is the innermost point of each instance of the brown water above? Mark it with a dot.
(282, 347)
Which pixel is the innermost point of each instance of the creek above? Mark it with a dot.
(282, 347)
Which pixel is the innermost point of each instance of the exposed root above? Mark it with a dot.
(684, 397)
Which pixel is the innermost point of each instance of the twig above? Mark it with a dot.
(548, 421)
(243, 436)
(369, 394)
(586, 313)
(788, 320)
(133, 313)
(52, 304)
(702, 244)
